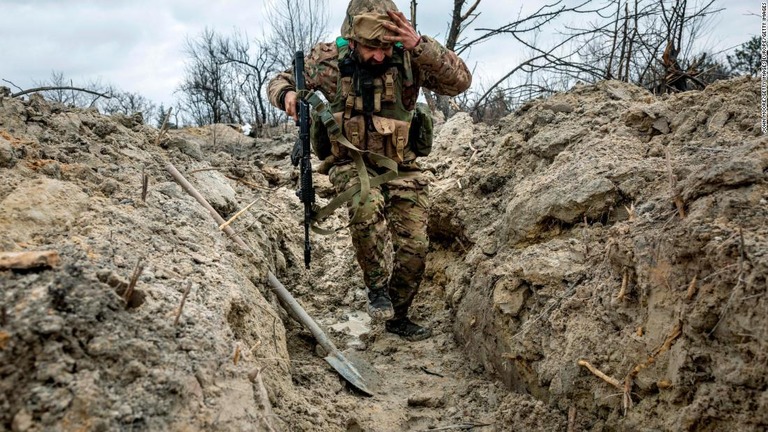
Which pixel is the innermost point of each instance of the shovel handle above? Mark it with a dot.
(299, 313)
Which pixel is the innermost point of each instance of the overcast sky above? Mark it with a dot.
(137, 45)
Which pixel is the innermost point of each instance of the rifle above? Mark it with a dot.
(301, 154)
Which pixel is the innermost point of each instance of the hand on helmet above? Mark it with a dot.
(405, 33)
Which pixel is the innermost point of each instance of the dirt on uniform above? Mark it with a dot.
(598, 263)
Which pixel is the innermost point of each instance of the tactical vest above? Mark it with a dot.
(368, 123)
(370, 111)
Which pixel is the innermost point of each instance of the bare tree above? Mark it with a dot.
(254, 65)
(128, 103)
(460, 20)
(296, 25)
(746, 59)
(108, 99)
(226, 76)
(556, 58)
(623, 40)
(208, 90)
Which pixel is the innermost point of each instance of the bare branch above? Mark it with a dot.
(49, 88)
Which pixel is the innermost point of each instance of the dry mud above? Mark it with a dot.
(603, 226)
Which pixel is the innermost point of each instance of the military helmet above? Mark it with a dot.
(362, 22)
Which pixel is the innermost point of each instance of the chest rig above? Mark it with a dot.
(366, 122)
(369, 105)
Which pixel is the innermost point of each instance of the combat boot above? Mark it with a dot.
(380, 305)
(407, 329)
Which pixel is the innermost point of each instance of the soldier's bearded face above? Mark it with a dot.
(372, 55)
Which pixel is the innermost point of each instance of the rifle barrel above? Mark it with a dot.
(306, 192)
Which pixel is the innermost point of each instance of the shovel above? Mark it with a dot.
(352, 368)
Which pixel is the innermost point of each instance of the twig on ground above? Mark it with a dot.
(572, 419)
(691, 293)
(676, 332)
(144, 185)
(624, 283)
(598, 373)
(236, 354)
(262, 396)
(631, 212)
(132, 284)
(429, 372)
(255, 346)
(49, 88)
(163, 127)
(626, 397)
(237, 215)
(12, 84)
(676, 197)
(461, 426)
(181, 305)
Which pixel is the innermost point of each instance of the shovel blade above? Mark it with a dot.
(355, 369)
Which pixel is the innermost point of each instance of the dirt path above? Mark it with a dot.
(419, 385)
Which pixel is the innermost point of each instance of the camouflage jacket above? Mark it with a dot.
(433, 66)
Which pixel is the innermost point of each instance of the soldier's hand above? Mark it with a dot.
(405, 33)
(291, 105)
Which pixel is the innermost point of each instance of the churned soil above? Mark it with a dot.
(597, 263)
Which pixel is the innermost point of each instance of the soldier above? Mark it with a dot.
(371, 76)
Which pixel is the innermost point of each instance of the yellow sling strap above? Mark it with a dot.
(366, 182)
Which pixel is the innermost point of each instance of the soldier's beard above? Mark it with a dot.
(371, 66)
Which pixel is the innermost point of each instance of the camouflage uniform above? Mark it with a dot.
(396, 210)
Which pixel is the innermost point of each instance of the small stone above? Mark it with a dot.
(7, 154)
(109, 187)
(51, 324)
(559, 107)
(52, 170)
(661, 125)
(427, 400)
(22, 421)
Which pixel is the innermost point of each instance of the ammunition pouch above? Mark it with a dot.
(421, 133)
(374, 134)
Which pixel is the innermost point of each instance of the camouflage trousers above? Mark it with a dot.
(394, 216)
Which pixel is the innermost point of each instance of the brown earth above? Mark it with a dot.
(603, 226)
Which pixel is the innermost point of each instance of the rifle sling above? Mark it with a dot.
(366, 182)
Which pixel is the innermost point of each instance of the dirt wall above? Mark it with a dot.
(609, 226)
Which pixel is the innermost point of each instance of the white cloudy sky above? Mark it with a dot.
(137, 45)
